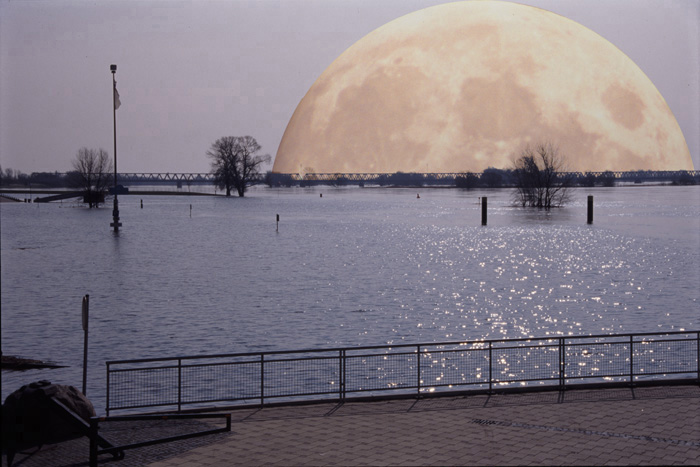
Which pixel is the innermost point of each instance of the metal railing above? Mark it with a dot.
(97, 441)
(419, 369)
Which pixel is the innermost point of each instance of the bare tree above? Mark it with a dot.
(236, 163)
(92, 174)
(541, 179)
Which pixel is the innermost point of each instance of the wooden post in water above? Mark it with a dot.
(484, 204)
(590, 209)
(86, 310)
(278, 222)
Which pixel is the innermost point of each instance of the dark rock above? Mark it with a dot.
(30, 418)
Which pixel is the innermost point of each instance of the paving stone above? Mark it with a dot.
(600, 427)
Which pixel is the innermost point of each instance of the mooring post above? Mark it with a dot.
(484, 203)
(115, 214)
(86, 310)
(141, 204)
(590, 209)
(278, 222)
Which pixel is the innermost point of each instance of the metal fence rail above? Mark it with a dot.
(96, 441)
(258, 378)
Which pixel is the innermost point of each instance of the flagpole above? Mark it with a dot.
(115, 212)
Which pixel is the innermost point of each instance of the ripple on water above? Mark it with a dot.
(352, 268)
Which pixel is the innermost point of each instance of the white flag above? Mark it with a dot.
(117, 102)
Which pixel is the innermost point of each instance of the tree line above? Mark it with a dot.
(539, 174)
(235, 164)
(91, 175)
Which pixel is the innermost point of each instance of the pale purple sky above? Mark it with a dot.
(190, 72)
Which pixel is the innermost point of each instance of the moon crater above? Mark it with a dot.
(624, 106)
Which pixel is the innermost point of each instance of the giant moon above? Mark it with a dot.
(461, 87)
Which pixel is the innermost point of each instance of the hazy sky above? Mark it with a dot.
(190, 72)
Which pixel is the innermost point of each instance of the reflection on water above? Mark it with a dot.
(355, 267)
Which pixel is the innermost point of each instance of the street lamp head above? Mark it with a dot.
(113, 68)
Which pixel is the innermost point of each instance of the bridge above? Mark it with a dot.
(354, 178)
(450, 177)
(405, 178)
(490, 178)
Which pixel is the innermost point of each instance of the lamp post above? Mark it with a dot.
(115, 212)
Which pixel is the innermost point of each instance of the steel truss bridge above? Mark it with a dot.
(489, 178)
(184, 179)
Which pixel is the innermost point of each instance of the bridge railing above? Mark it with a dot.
(413, 369)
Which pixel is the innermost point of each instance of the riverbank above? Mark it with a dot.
(59, 191)
(9, 362)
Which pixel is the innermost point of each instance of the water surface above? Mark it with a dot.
(355, 267)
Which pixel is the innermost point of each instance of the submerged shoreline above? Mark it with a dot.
(12, 363)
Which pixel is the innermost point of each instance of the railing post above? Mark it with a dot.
(94, 427)
(107, 395)
(418, 369)
(562, 363)
(490, 368)
(341, 363)
(262, 379)
(631, 359)
(179, 384)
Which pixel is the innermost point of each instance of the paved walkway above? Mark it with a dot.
(642, 426)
